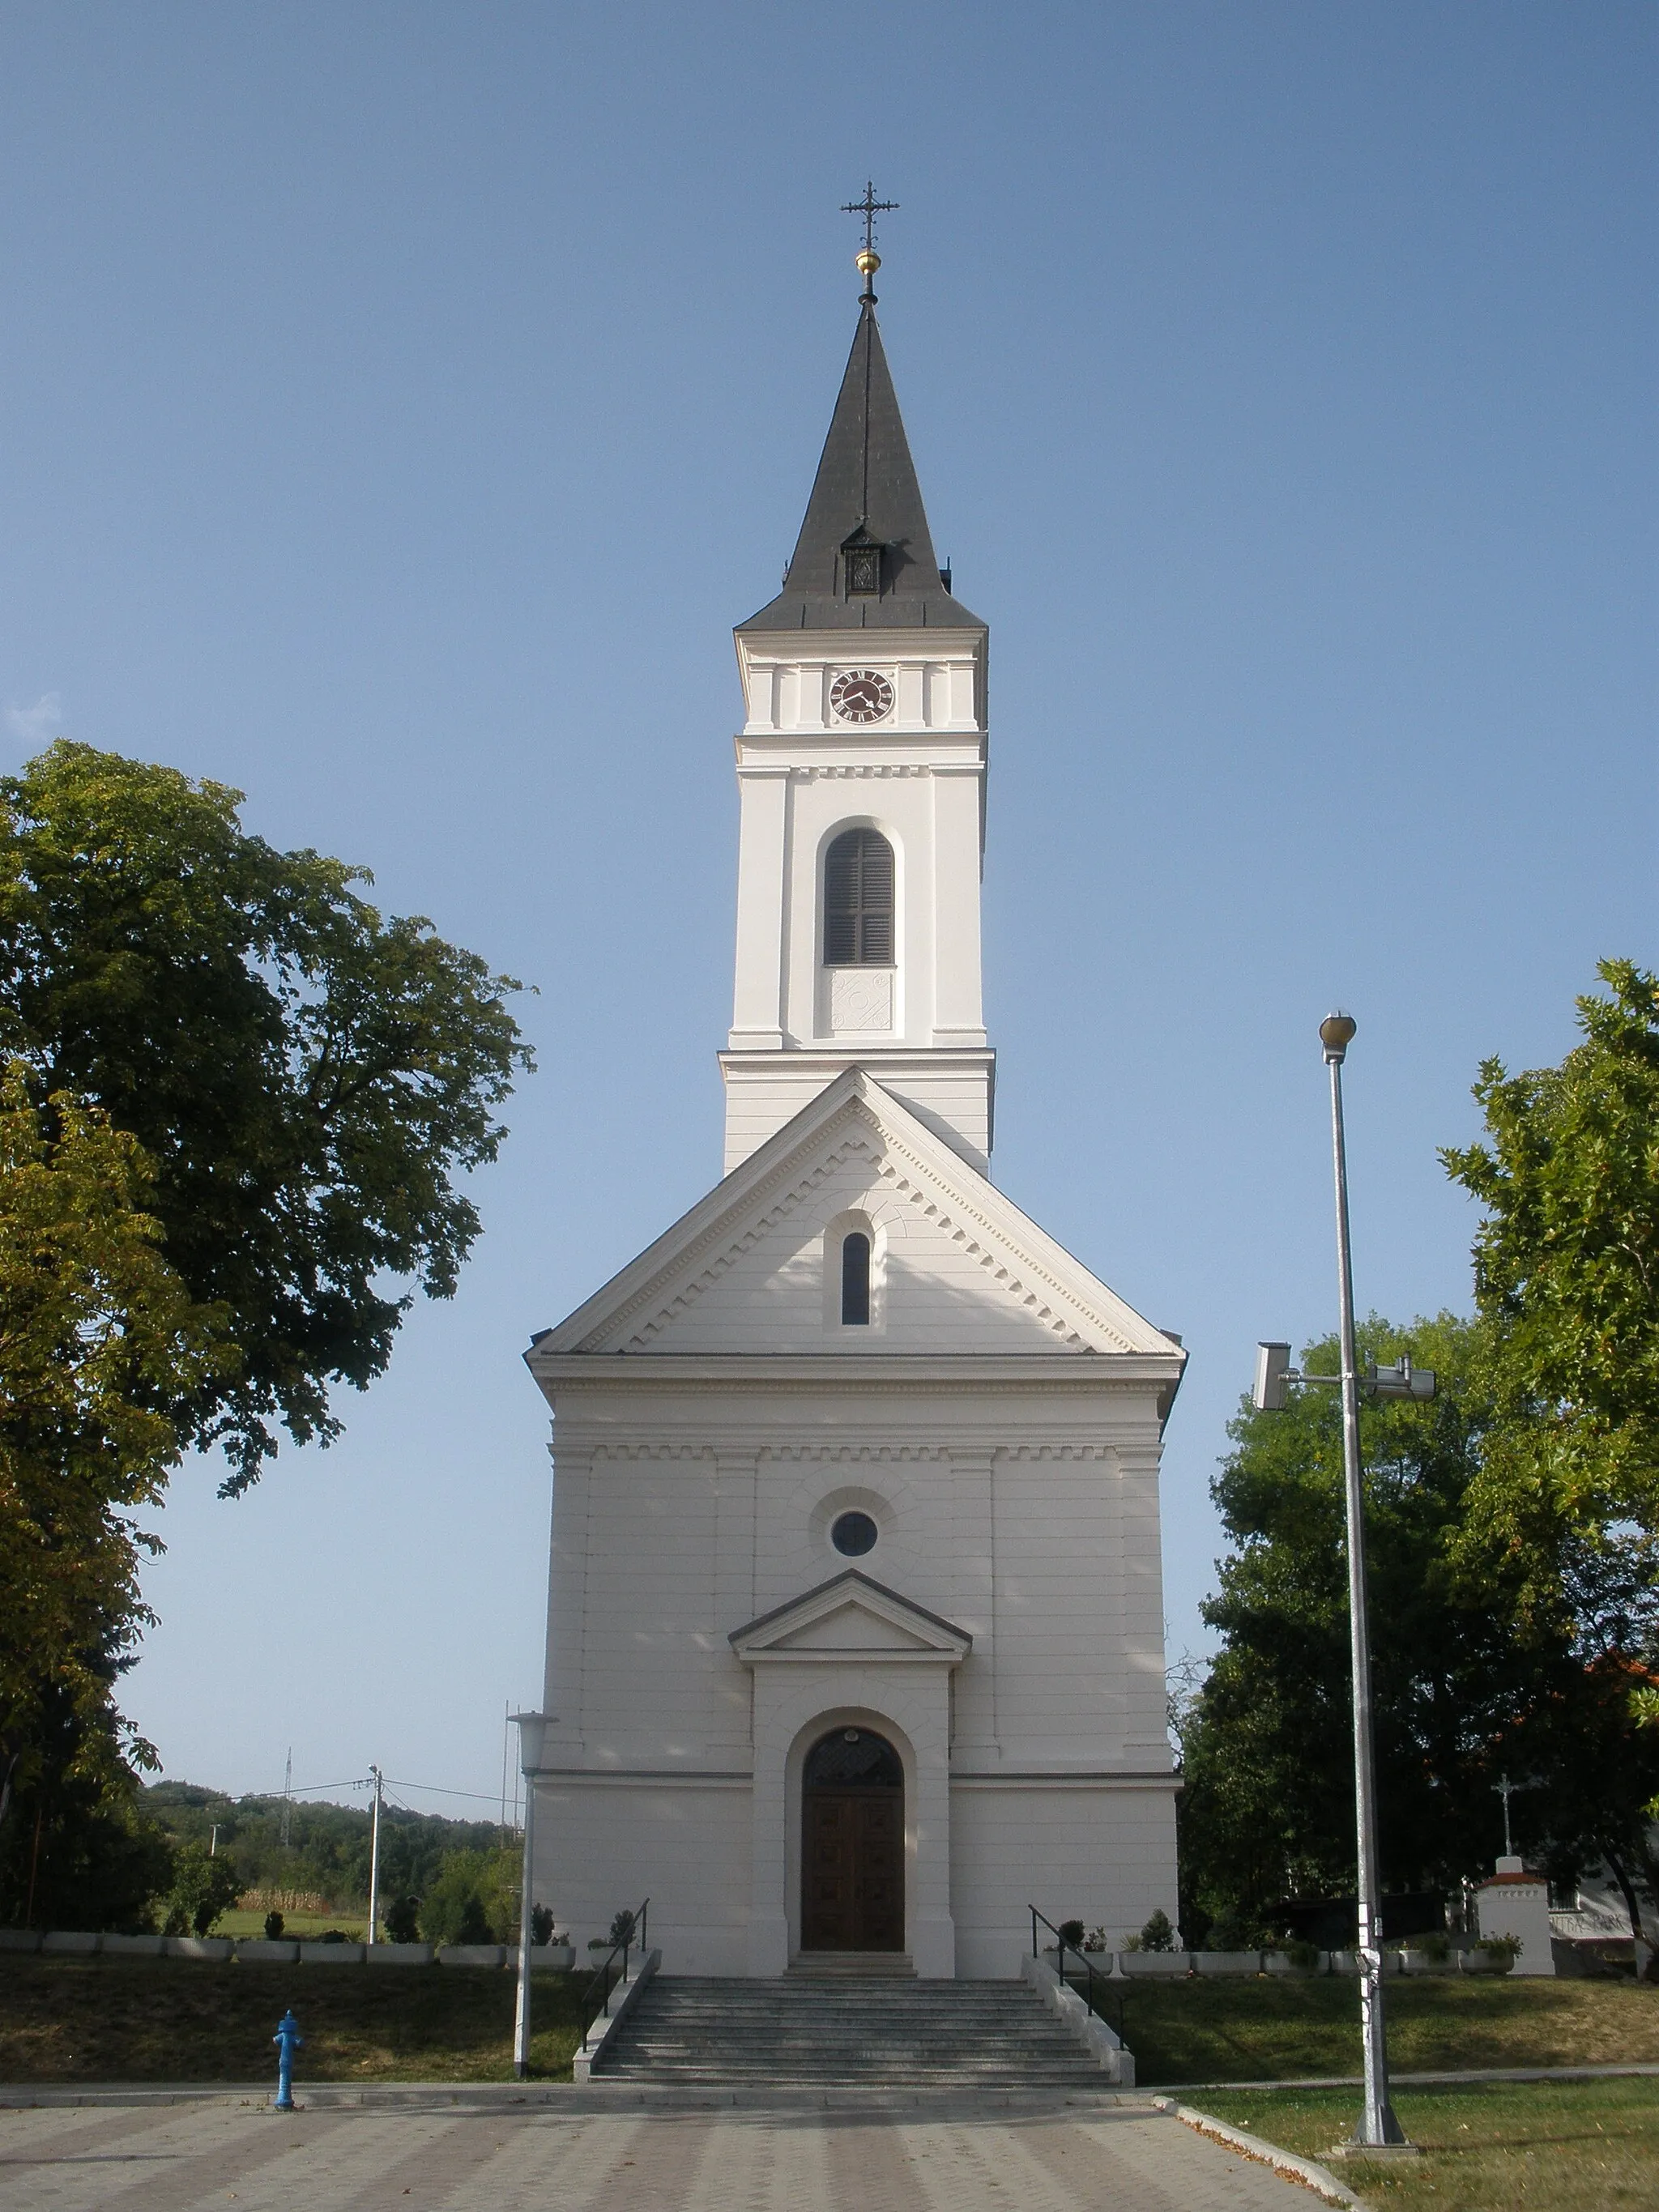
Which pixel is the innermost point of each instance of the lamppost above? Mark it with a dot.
(533, 1733)
(1378, 2128)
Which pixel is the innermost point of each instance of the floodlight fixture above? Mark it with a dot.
(1270, 1392)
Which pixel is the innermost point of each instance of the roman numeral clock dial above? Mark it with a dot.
(861, 694)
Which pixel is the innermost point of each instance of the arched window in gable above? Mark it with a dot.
(855, 1280)
(858, 901)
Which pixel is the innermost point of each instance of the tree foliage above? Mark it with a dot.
(327, 1853)
(205, 1884)
(1567, 1277)
(309, 1076)
(474, 1900)
(1464, 1689)
(76, 1848)
(96, 1333)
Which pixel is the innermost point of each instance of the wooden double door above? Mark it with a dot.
(852, 1845)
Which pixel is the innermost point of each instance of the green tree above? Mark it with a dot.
(328, 1848)
(1466, 1685)
(203, 1886)
(474, 1898)
(96, 1331)
(76, 1849)
(1267, 1808)
(1567, 1278)
(309, 1076)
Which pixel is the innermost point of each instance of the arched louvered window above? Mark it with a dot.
(858, 901)
(855, 1280)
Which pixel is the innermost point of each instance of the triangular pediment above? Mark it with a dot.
(851, 1615)
(960, 1268)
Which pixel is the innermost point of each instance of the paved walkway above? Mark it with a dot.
(176, 2158)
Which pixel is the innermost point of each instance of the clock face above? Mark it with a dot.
(859, 694)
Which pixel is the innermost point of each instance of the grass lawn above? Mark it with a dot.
(1269, 2030)
(177, 2020)
(1549, 2146)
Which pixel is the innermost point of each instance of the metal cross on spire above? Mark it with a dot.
(869, 207)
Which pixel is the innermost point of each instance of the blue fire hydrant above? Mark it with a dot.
(288, 2040)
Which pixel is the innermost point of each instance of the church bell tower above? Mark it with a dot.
(861, 783)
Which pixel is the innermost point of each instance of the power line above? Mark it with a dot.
(434, 1789)
(365, 1782)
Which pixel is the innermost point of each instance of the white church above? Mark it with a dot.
(855, 1619)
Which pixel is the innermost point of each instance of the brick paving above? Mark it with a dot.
(187, 2157)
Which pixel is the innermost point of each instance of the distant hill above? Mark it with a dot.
(327, 1855)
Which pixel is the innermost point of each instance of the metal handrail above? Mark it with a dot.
(635, 1937)
(1062, 1947)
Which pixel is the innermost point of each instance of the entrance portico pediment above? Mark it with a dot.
(851, 1616)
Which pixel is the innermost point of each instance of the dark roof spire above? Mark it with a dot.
(865, 556)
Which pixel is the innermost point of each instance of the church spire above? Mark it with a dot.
(864, 558)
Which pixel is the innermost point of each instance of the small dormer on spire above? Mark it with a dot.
(861, 564)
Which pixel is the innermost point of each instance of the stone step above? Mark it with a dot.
(969, 2077)
(813, 2032)
(848, 1966)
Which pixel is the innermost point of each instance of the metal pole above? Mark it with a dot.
(1377, 2125)
(374, 1859)
(526, 1933)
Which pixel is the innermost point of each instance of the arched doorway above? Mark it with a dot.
(851, 1844)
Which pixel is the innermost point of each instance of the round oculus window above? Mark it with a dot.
(860, 695)
(853, 1534)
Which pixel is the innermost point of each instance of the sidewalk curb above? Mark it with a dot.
(556, 2097)
(1317, 2178)
(1445, 2080)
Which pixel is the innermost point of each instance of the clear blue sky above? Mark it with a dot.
(402, 402)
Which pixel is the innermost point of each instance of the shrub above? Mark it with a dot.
(1157, 1935)
(1506, 1948)
(1072, 1932)
(1433, 1946)
(403, 1922)
(1303, 1955)
(541, 1923)
(275, 1925)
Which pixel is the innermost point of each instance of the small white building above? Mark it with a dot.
(1515, 1900)
(855, 1614)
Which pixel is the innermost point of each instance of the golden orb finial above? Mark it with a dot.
(868, 261)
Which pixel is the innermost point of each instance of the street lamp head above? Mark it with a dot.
(532, 1732)
(1336, 1033)
(1273, 1368)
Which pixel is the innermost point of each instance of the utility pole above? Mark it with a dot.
(287, 1799)
(374, 1858)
